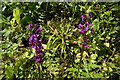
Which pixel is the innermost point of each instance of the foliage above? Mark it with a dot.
(61, 41)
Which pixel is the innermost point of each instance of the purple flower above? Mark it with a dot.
(80, 25)
(35, 57)
(86, 28)
(30, 26)
(81, 31)
(33, 39)
(92, 29)
(38, 60)
(86, 46)
(87, 40)
(89, 17)
(89, 25)
(87, 22)
(83, 43)
(35, 25)
(83, 19)
(38, 30)
(83, 16)
(92, 33)
(32, 46)
(35, 42)
(39, 53)
(90, 12)
(35, 35)
(40, 40)
(38, 47)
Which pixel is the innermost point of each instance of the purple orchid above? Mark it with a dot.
(30, 26)
(83, 16)
(90, 12)
(35, 42)
(85, 28)
(82, 31)
(83, 43)
(80, 25)
(92, 29)
(86, 46)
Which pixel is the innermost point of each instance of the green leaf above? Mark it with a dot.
(58, 27)
(49, 41)
(72, 69)
(105, 68)
(9, 72)
(12, 22)
(107, 44)
(108, 13)
(16, 14)
(93, 56)
(77, 60)
(93, 66)
(85, 53)
(116, 7)
(95, 24)
(6, 32)
(98, 75)
(68, 26)
(110, 69)
(44, 46)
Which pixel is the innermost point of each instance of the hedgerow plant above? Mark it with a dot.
(93, 52)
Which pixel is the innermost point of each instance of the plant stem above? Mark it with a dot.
(39, 76)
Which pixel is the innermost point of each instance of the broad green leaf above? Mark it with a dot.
(85, 53)
(108, 13)
(16, 14)
(78, 55)
(9, 72)
(116, 7)
(104, 64)
(97, 48)
(44, 46)
(93, 56)
(31, 55)
(12, 22)
(110, 69)
(72, 69)
(107, 44)
(98, 75)
(6, 32)
(77, 60)
(105, 68)
(25, 55)
(95, 24)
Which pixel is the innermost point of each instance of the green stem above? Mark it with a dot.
(39, 76)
